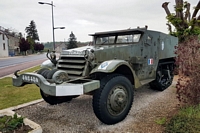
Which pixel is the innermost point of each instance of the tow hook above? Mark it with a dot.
(15, 73)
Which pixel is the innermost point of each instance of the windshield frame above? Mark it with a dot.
(113, 39)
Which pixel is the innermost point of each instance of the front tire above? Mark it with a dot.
(113, 100)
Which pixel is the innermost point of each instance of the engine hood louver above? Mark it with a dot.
(74, 66)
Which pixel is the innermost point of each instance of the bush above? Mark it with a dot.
(188, 60)
(9, 123)
(181, 124)
(186, 121)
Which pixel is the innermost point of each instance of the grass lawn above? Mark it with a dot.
(186, 121)
(12, 96)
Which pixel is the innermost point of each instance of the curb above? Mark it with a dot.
(18, 56)
(9, 111)
(24, 105)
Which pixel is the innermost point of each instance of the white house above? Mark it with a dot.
(4, 51)
(9, 43)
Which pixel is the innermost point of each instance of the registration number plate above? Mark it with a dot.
(29, 78)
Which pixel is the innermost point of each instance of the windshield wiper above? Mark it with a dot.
(104, 42)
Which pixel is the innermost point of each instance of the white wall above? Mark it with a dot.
(3, 53)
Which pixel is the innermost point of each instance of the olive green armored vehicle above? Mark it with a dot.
(110, 69)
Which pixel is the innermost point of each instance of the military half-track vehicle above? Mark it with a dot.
(116, 63)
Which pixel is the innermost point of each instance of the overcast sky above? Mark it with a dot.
(84, 17)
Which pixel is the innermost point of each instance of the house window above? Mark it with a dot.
(4, 46)
(3, 37)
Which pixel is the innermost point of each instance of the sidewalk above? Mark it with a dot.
(17, 56)
(2, 58)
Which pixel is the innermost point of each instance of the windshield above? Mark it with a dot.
(105, 40)
(128, 38)
(118, 39)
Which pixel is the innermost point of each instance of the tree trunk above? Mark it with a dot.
(169, 28)
(196, 10)
(187, 13)
(179, 11)
(165, 6)
(198, 18)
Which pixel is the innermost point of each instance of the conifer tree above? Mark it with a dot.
(32, 31)
(72, 43)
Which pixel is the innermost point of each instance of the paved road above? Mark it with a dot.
(11, 61)
(11, 64)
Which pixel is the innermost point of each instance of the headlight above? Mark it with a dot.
(89, 55)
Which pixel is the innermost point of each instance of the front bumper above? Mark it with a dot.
(75, 87)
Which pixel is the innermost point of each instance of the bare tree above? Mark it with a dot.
(182, 21)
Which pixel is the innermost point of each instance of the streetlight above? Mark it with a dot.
(53, 28)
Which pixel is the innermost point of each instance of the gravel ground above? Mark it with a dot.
(78, 117)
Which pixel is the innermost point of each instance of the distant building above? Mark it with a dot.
(9, 43)
(13, 45)
(59, 47)
(4, 52)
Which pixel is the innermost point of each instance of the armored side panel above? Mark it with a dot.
(166, 44)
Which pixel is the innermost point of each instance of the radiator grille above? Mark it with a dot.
(73, 65)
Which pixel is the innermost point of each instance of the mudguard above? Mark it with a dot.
(111, 65)
(48, 64)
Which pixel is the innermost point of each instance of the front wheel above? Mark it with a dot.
(113, 100)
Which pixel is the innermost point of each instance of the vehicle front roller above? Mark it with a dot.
(49, 74)
(113, 100)
(53, 100)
